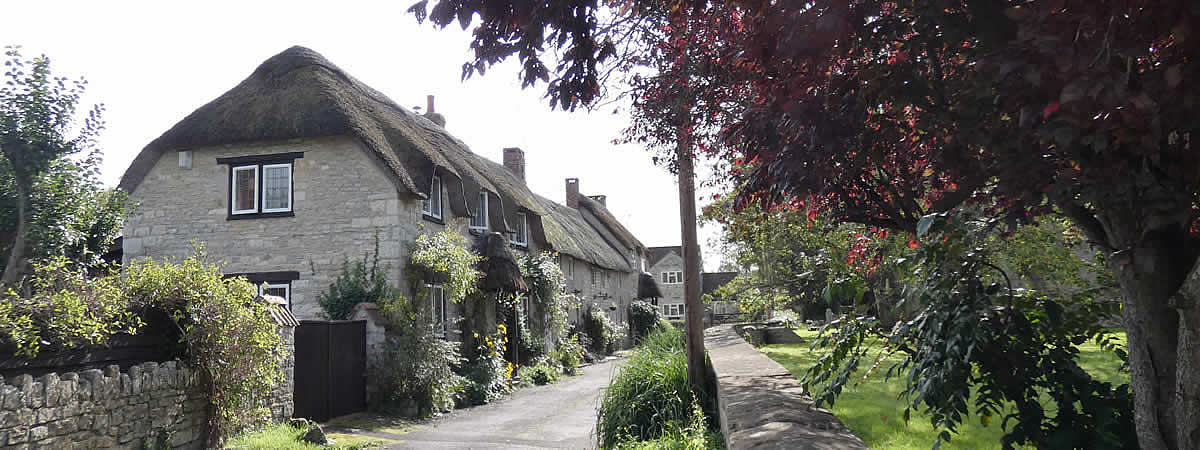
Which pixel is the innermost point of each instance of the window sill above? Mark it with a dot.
(261, 215)
(433, 219)
(522, 247)
(477, 231)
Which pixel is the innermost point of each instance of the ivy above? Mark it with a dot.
(546, 286)
(447, 253)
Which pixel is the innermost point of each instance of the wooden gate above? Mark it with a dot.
(331, 368)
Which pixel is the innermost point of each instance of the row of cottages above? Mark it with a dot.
(665, 264)
(301, 166)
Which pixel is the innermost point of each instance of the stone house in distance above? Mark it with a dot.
(301, 166)
(666, 265)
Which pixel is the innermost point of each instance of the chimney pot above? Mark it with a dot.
(431, 114)
(514, 160)
(573, 192)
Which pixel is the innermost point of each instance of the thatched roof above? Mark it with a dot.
(568, 232)
(648, 286)
(300, 94)
(606, 221)
(501, 272)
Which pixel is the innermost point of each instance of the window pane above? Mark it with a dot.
(435, 201)
(277, 187)
(244, 187)
(479, 220)
(437, 308)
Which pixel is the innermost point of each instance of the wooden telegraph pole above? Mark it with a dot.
(691, 264)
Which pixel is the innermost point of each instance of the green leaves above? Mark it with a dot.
(447, 253)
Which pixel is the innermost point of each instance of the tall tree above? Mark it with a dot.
(37, 117)
(882, 112)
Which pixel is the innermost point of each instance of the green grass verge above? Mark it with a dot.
(283, 436)
(874, 411)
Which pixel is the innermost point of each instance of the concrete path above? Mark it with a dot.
(560, 415)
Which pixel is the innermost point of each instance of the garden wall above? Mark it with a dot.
(761, 405)
(104, 408)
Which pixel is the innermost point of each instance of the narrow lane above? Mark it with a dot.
(560, 415)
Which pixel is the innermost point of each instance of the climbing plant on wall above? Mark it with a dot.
(445, 254)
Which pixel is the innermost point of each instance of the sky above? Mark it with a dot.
(152, 63)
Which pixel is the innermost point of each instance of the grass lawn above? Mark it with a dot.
(873, 411)
(283, 436)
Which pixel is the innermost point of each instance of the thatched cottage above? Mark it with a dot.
(301, 165)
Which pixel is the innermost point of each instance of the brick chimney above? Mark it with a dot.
(431, 114)
(601, 199)
(573, 192)
(514, 160)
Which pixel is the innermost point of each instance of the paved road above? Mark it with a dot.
(560, 415)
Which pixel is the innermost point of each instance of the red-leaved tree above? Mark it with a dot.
(881, 112)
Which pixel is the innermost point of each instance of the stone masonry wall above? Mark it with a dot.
(672, 293)
(282, 400)
(104, 408)
(342, 198)
(109, 408)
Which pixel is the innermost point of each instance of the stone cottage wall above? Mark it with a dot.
(104, 408)
(672, 293)
(342, 198)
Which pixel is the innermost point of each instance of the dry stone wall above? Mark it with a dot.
(105, 408)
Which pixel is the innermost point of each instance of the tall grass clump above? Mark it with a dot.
(650, 397)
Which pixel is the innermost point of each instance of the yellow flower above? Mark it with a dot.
(476, 335)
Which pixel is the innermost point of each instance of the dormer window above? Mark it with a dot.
(432, 206)
(521, 237)
(260, 185)
(480, 220)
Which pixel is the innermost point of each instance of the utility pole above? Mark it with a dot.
(691, 263)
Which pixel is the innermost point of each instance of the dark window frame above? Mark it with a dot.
(259, 161)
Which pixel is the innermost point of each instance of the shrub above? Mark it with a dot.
(233, 341)
(544, 372)
(643, 319)
(67, 309)
(361, 281)
(568, 355)
(487, 373)
(447, 254)
(599, 331)
(416, 371)
(649, 395)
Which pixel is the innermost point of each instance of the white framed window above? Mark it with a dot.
(673, 310)
(277, 187)
(521, 237)
(672, 277)
(244, 190)
(599, 277)
(480, 220)
(437, 309)
(570, 267)
(432, 206)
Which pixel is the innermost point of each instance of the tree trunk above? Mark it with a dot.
(691, 267)
(1162, 322)
(16, 256)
